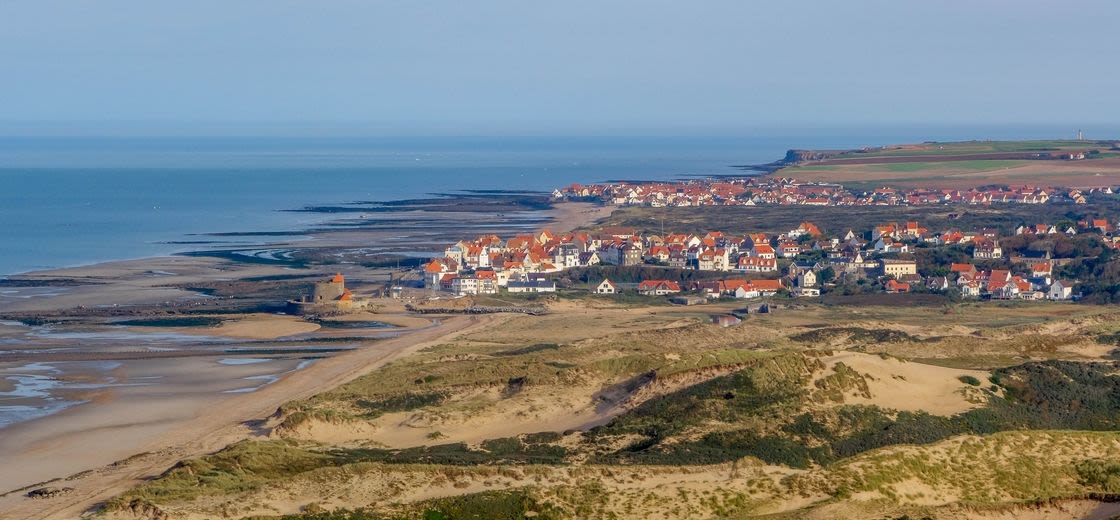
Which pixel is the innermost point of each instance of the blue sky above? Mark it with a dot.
(589, 67)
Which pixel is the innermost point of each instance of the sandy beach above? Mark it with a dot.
(167, 431)
(130, 432)
(149, 398)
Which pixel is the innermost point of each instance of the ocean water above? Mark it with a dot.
(77, 200)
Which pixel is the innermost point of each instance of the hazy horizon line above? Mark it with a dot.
(13, 129)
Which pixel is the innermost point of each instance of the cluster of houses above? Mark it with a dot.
(786, 191)
(1001, 284)
(856, 256)
(984, 243)
(736, 288)
(525, 263)
(522, 263)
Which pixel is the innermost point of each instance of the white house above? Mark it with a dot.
(753, 264)
(606, 287)
(807, 279)
(531, 286)
(658, 287)
(808, 291)
(763, 251)
(1060, 290)
(746, 291)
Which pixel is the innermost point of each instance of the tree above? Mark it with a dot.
(826, 275)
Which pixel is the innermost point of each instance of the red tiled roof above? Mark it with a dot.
(961, 268)
(766, 285)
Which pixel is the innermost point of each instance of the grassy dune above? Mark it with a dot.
(790, 414)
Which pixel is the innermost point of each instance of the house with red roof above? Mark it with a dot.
(895, 287)
(478, 282)
(811, 229)
(658, 254)
(789, 249)
(763, 251)
(758, 288)
(962, 268)
(754, 264)
(658, 287)
(434, 271)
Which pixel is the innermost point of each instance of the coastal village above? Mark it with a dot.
(801, 262)
(753, 191)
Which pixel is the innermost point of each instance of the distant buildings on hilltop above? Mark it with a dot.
(786, 191)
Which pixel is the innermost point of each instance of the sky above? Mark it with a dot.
(504, 67)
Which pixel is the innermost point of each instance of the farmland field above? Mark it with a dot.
(974, 147)
(964, 165)
(962, 174)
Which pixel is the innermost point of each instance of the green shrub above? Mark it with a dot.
(1100, 474)
(969, 380)
(399, 403)
(768, 394)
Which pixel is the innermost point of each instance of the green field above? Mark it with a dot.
(969, 147)
(976, 165)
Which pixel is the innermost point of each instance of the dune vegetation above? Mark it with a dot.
(614, 410)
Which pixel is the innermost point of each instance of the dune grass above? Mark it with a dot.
(766, 397)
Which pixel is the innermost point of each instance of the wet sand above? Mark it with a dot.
(166, 432)
(126, 403)
(149, 281)
(192, 410)
(143, 281)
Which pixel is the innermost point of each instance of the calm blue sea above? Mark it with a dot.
(71, 201)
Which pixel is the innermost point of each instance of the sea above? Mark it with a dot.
(67, 201)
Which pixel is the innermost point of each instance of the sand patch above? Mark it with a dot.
(472, 417)
(264, 326)
(568, 216)
(910, 386)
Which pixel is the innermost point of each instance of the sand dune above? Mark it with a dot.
(909, 386)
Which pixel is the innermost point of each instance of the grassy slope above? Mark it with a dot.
(970, 147)
(910, 167)
(927, 164)
(767, 410)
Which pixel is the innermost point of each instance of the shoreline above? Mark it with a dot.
(563, 215)
(211, 428)
(199, 428)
